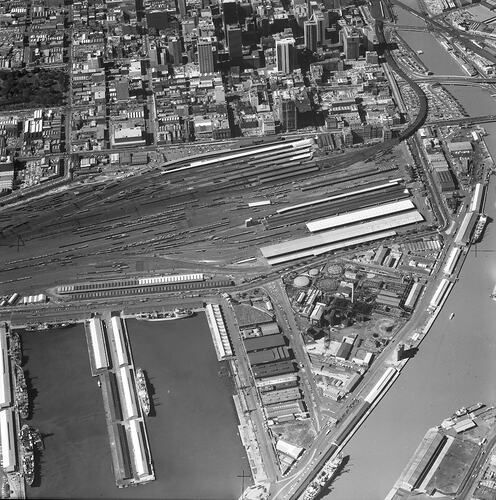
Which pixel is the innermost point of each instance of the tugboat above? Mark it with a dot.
(142, 390)
(165, 316)
(21, 393)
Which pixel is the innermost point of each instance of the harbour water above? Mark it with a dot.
(455, 365)
(193, 436)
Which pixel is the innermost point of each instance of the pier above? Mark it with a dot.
(111, 361)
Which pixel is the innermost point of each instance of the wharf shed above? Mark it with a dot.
(439, 293)
(139, 448)
(5, 384)
(98, 344)
(452, 260)
(264, 342)
(119, 341)
(360, 215)
(424, 457)
(476, 202)
(121, 459)
(7, 440)
(110, 394)
(273, 369)
(128, 395)
(466, 227)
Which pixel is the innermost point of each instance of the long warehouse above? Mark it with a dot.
(308, 244)
(360, 215)
(5, 392)
(98, 344)
(119, 341)
(7, 440)
(128, 394)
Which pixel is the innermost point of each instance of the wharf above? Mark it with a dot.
(128, 438)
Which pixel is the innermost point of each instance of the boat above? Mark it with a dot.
(27, 453)
(21, 393)
(493, 295)
(15, 348)
(420, 51)
(323, 478)
(452, 315)
(479, 228)
(165, 315)
(142, 390)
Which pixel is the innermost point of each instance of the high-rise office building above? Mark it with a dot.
(181, 7)
(310, 35)
(322, 24)
(205, 55)
(285, 55)
(234, 42)
(230, 13)
(285, 108)
(175, 51)
(351, 44)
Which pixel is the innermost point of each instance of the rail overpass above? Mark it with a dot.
(465, 119)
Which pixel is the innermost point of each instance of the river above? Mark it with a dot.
(456, 364)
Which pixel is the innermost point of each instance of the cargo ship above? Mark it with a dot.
(46, 326)
(165, 316)
(493, 295)
(479, 228)
(142, 390)
(323, 478)
(15, 348)
(21, 393)
(27, 453)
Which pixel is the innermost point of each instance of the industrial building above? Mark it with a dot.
(139, 448)
(414, 295)
(265, 342)
(476, 202)
(281, 396)
(268, 355)
(218, 331)
(439, 293)
(7, 440)
(129, 283)
(466, 227)
(121, 458)
(5, 384)
(275, 380)
(289, 449)
(272, 369)
(356, 216)
(425, 455)
(325, 241)
(269, 328)
(128, 394)
(281, 410)
(119, 341)
(452, 260)
(110, 394)
(317, 313)
(98, 344)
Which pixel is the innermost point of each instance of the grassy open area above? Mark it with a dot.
(39, 87)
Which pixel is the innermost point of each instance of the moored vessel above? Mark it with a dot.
(165, 315)
(27, 453)
(21, 393)
(142, 390)
(479, 228)
(323, 478)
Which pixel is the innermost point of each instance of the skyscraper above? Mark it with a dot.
(310, 35)
(175, 51)
(181, 7)
(234, 42)
(322, 24)
(205, 55)
(351, 44)
(285, 55)
(230, 12)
